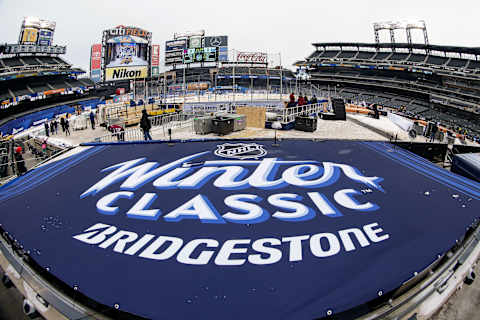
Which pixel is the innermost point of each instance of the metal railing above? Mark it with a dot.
(284, 115)
(205, 108)
(287, 115)
(165, 122)
(41, 161)
(133, 134)
(123, 109)
(171, 121)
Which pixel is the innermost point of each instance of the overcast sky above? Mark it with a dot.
(286, 27)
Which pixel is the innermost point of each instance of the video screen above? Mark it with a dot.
(200, 55)
(126, 54)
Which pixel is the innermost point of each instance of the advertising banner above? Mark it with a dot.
(188, 34)
(96, 75)
(174, 54)
(29, 35)
(45, 37)
(112, 74)
(252, 57)
(174, 59)
(48, 92)
(47, 29)
(95, 57)
(155, 62)
(197, 86)
(155, 55)
(126, 47)
(155, 71)
(195, 42)
(223, 54)
(128, 31)
(218, 41)
(44, 42)
(174, 45)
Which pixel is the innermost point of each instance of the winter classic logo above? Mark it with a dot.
(241, 151)
(246, 192)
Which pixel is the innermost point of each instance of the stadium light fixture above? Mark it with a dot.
(406, 25)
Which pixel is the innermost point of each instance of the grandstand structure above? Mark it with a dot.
(26, 78)
(223, 77)
(33, 70)
(430, 82)
(37, 84)
(30, 82)
(255, 77)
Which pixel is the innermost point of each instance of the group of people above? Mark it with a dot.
(51, 127)
(18, 154)
(302, 100)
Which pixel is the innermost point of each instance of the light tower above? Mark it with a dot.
(391, 26)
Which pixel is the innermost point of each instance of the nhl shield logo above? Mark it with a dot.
(240, 151)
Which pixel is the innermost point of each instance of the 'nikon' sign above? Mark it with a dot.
(125, 73)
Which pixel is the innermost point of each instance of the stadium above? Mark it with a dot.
(231, 186)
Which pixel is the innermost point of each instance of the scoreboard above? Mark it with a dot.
(194, 47)
(207, 54)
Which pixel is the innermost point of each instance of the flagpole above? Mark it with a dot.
(268, 80)
(164, 86)
(233, 90)
(134, 94)
(184, 83)
(281, 77)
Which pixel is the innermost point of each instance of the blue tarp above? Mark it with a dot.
(24, 122)
(467, 165)
(218, 230)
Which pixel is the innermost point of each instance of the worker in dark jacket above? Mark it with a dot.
(45, 124)
(145, 125)
(433, 132)
(67, 127)
(62, 123)
(92, 119)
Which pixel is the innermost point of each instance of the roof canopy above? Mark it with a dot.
(388, 45)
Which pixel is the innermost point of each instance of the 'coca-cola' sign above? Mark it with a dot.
(252, 57)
